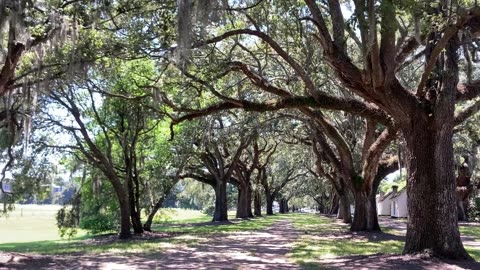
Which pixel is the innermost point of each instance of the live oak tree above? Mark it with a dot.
(217, 158)
(389, 36)
(282, 166)
(251, 167)
(108, 135)
(466, 145)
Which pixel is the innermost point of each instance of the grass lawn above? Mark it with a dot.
(473, 231)
(29, 223)
(32, 229)
(321, 238)
(187, 227)
(324, 239)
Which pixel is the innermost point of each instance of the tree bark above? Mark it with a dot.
(372, 215)
(243, 202)
(257, 203)
(250, 198)
(344, 209)
(221, 207)
(334, 204)
(281, 204)
(147, 226)
(123, 203)
(360, 216)
(269, 200)
(134, 212)
(432, 223)
(365, 217)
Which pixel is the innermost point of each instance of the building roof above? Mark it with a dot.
(382, 198)
(400, 192)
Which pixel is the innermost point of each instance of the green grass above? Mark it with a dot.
(324, 239)
(175, 215)
(473, 231)
(41, 235)
(313, 246)
(32, 229)
(30, 223)
(79, 246)
(235, 226)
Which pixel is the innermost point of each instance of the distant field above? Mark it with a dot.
(29, 223)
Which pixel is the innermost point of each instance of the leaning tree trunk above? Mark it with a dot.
(148, 224)
(344, 209)
(334, 204)
(221, 207)
(257, 204)
(432, 222)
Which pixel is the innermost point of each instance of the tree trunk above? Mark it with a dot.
(123, 203)
(372, 215)
(269, 200)
(249, 200)
(148, 224)
(461, 211)
(257, 204)
(365, 217)
(344, 209)
(334, 204)
(360, 216)
(242, 202)
(281, 204)
(432, 223)
(221, 208)
(124, 217)
(286, 206)
(134, 212)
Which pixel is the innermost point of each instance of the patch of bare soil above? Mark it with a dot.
(113, 238)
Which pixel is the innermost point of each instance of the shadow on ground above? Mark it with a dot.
(265, 249)
(382, 261)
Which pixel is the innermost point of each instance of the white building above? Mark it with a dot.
(399, 204)
(384, 202)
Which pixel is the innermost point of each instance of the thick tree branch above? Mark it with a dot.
(467, 112)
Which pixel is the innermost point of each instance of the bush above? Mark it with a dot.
(209, 210)
(98, 223)
(67, 222)
(164, 215)
(473, 211)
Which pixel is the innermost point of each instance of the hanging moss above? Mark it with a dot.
(192, 13)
